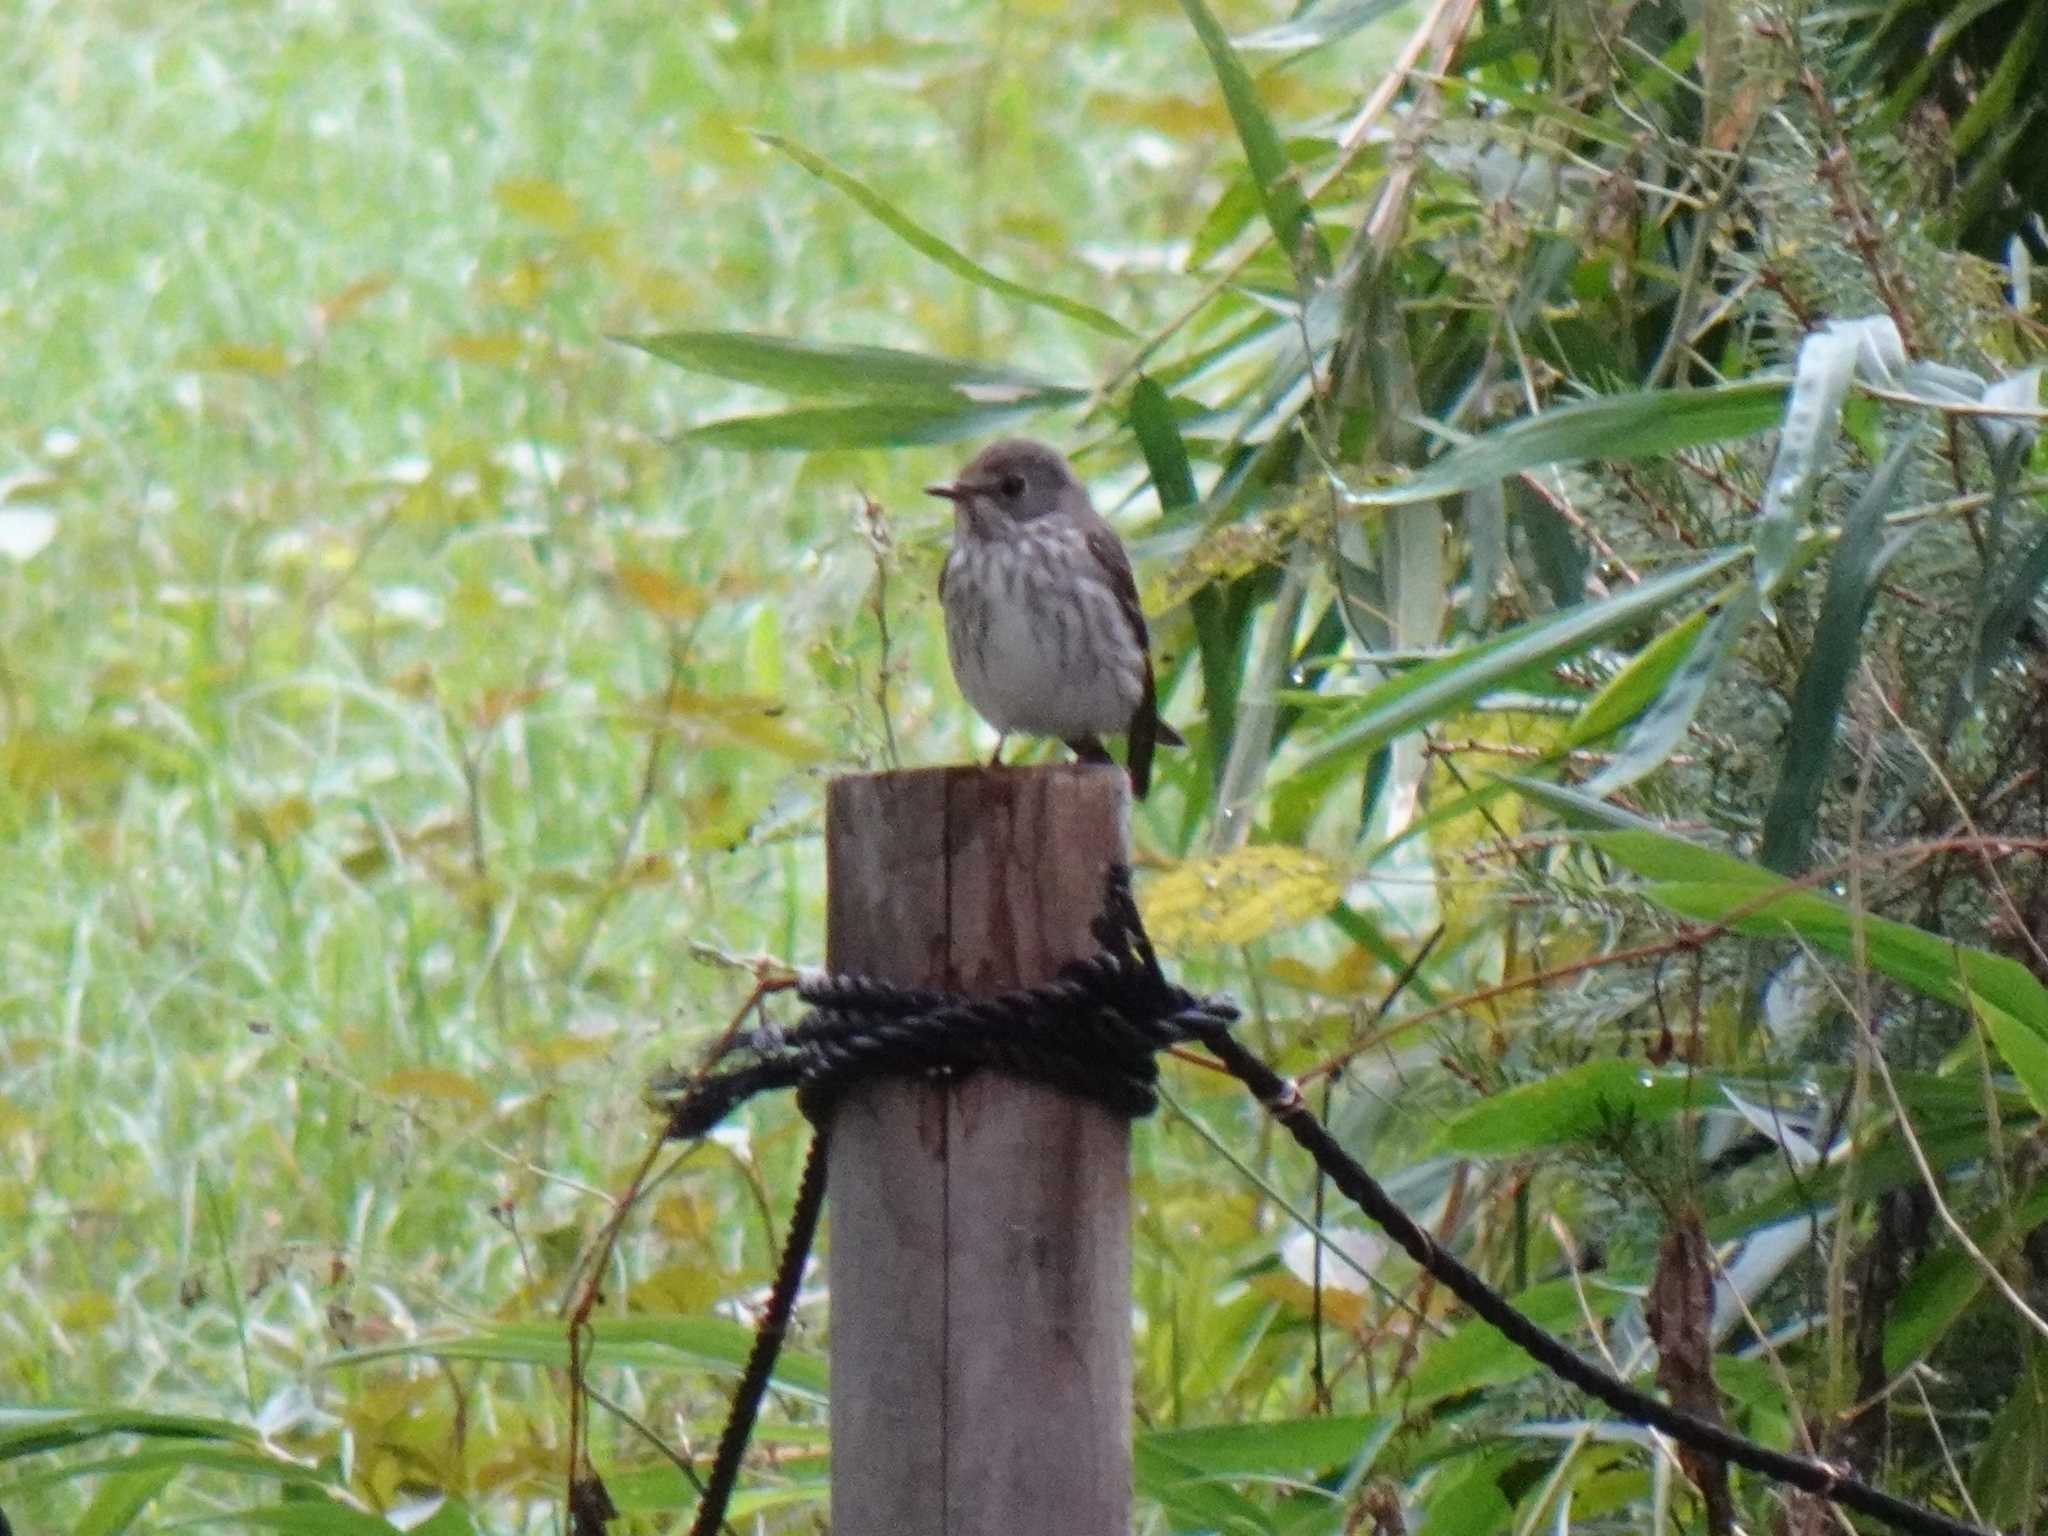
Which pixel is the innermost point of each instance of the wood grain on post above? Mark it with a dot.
(980, 1230)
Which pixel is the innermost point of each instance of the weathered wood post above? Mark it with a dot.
(980, 1231)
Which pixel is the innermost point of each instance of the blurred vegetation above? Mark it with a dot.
(1584, 465)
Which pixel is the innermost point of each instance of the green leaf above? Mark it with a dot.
(1313, 27)
(1639, 681)
(1664, 724)
(1159, 440)
(1943, 1286)
(1287, 211)
(1881, 1162)
(1578, 1104)
(1716, 887)
(307, 1518)
(1860, 558)
(1476, 1354)
(650, 1343)
(1272, 1447)
(28, 1431)
(1645, 425)
(809, 369)
(191, 1455)
(1192, 1499)
(1992, 102)
(929, 245)
(120, 1497)
(1999, 624)
(873, 424)
(1441, 687)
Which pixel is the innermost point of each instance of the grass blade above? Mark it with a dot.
(929, 245)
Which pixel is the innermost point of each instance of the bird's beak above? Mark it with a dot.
(950, 491)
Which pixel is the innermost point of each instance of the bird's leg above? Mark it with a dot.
(995, 758)
(1089, 749)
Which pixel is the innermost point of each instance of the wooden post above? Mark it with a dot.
(980, 1231)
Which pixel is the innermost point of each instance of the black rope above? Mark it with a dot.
(768, 1336)
(1095, 1032)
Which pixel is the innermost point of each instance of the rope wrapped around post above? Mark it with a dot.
(1095, 1032)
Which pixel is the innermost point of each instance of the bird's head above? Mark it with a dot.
(1010, 485)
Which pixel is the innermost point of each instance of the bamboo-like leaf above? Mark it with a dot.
(929, 245)
(1860, 558)
(649, 1343)
(1439, 687)
(1287, 211)
(1574, 1105)
(1942, 1286)
(1828, 360)
(308, 1517)
(1715, 887)
(807, 370)
(1159, 440)
(30, 1431)
(1266, 1447)
(1992, 101)
(1663, 725)
(1644, 425)
(1486, 536)
(1639, 681)
(1312, 28)
(2007, 612)
(871, 424)
(1476, 1354)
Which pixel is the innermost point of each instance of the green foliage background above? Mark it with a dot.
(415, 705)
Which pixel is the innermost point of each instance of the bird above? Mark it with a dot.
(1043, 626)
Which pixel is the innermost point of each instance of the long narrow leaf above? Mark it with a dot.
(1645, 425)
(927, 244)
(871, 424)
(1315, 27)
(1287, 211)
(1716, 887)
(1828, 360)
(1664, 724)
(1860, 558)
(1440, 687)
(807, 369)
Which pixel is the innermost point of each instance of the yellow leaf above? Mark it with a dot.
(538, 201)
(685, 1289)
(1344, 1309)
(340, 305)
(1239, 896)
(498, 350)
(278, 822)
(659, 594)
(519, 288)
(558, 1051)
(86, 1311)
(267, 361)
(435, 1083)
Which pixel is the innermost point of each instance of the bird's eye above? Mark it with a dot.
(1011, 485)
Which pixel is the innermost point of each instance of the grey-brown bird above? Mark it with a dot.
(1042, 618)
